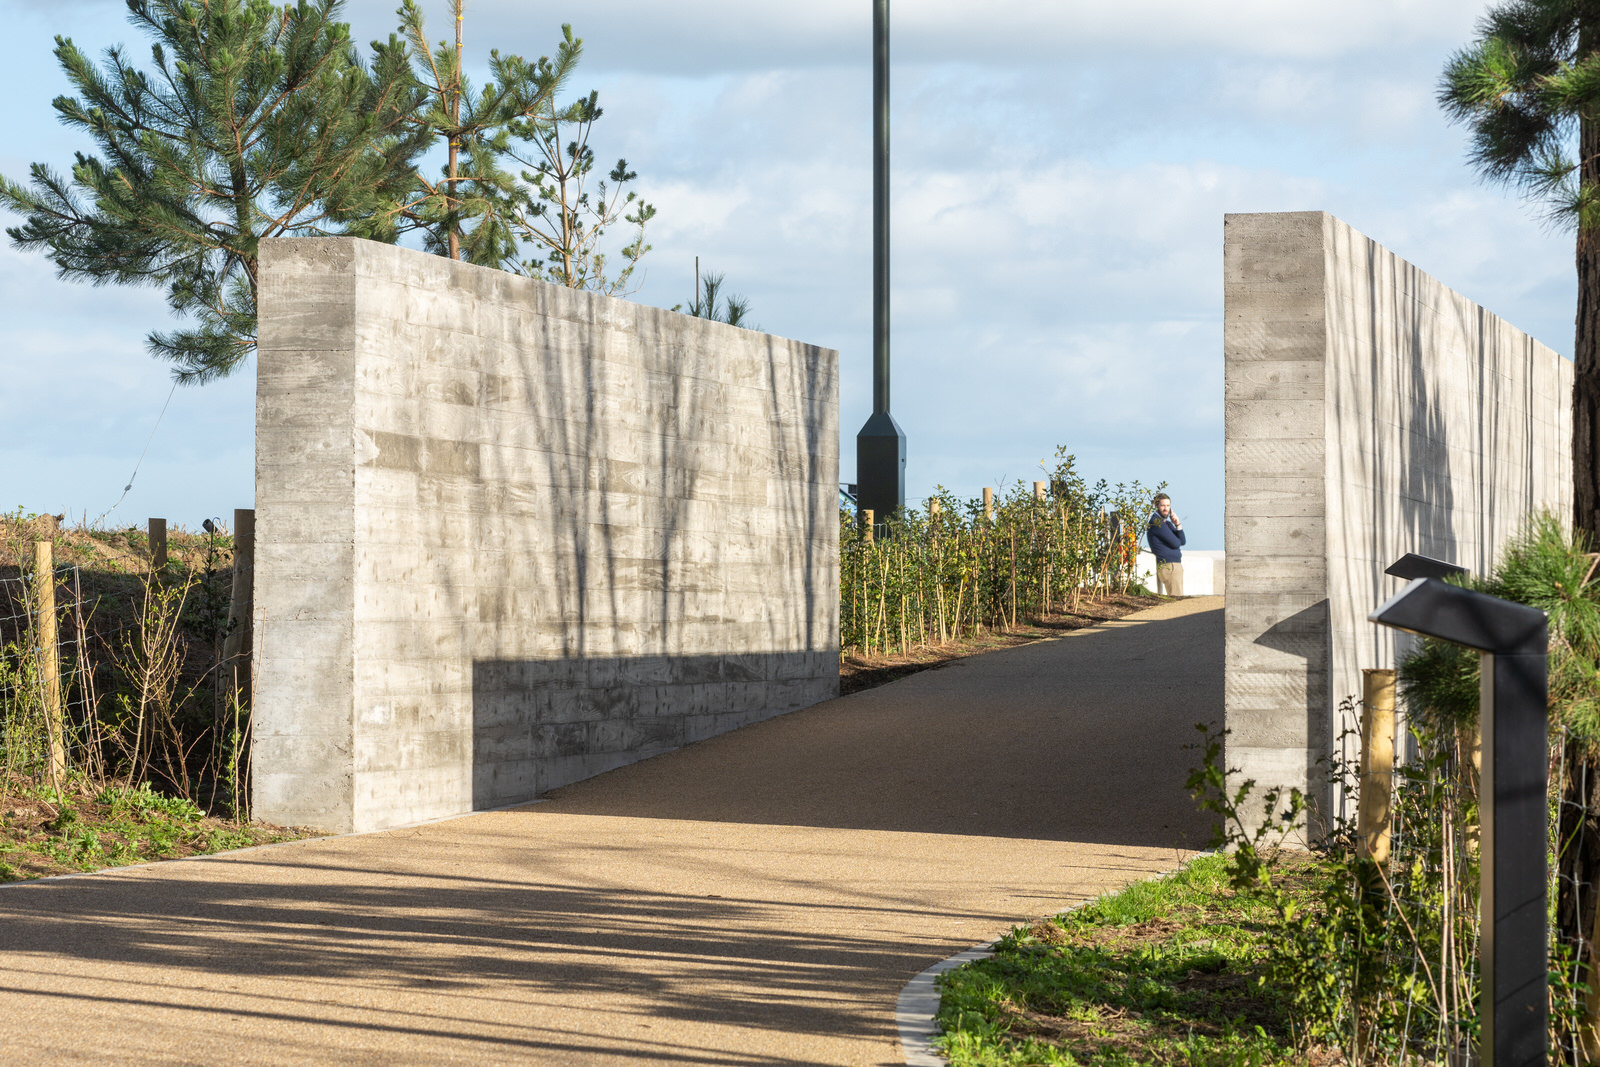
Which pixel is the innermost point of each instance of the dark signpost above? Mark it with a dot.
(1513, 954)
(881, 444)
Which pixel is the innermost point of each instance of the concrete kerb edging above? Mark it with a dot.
(918, 1005)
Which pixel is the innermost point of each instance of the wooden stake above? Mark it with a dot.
(1038, 490)
(44, 580)
(867, 522)
(1377, 763)
(237, 646)
(988, 504)
(1013, 579)
(158, 544)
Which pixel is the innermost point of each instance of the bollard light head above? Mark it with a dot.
(1411, 565)
(1433, 608)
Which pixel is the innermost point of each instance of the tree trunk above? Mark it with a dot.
(455, 138)
(1586, 343)
(1578, 848)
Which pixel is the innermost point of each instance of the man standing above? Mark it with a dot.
(1166, 541)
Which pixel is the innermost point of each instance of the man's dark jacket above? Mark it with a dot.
(1166, 540)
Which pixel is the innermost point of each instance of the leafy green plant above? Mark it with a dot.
(954, 569)
(1381, 962)
(1164, 971)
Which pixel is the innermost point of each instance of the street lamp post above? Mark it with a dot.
(881, 444)
(1514, 643)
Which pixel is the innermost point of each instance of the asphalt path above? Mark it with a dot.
(759, 898)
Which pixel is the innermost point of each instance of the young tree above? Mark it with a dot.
(710, 303)
(470, 212)
(1529, 90)
(559, 215)
(251, 121)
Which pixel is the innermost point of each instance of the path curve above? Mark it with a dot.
(759, 898)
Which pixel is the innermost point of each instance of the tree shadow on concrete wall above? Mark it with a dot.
(680, 561)
(1396, 477)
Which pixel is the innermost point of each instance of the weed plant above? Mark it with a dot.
(141, 662)
(1383, 964)
(953, 570)
(1380, 963)
(1167, 971)
(83, 827)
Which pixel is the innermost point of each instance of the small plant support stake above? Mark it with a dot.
(1377, 763)
(44, 577)
(1514, 641)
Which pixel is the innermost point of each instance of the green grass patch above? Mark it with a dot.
(1164, 972)
(45, 832)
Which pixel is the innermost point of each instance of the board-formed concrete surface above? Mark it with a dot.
(510, 535)
(1370, 412)
(759, 898)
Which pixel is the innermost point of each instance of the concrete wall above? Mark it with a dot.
(1370, 412)
(510, 535)
(1204, 571)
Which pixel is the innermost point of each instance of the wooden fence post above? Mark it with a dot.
(867, 522)
(988, 504)
(1038, 490)
(44, 579)
(158, 544)
(1377, 763)
(236, 647)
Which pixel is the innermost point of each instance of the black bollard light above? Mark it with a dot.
(1513, 956)
(1411, 565)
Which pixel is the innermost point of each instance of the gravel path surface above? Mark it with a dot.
(759, 898)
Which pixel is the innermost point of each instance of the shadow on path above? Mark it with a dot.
(1082, 738)
(755, 899)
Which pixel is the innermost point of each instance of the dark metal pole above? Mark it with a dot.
(880, 206)
(1514, 997)
(881, 445)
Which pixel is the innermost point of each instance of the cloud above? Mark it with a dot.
(713, 36)
(1060, 174)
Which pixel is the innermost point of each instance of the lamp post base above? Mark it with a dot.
(881, 466)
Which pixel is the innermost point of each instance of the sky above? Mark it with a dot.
(1060, 174)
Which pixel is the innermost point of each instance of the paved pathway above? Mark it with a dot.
(759, 898)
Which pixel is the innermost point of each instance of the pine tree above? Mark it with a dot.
(560, 215)
(251, 121)
(1529, 90)
(470, 211)
(711, 303)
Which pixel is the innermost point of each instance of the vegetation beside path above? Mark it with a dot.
(83, 827)
(1167, 971)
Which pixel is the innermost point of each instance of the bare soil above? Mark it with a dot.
(857, 672)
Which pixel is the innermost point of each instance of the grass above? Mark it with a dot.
(44, 832)
(858, 672)
(1163, 972)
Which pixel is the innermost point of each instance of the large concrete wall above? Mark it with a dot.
(510, 535)
(1370, 412)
